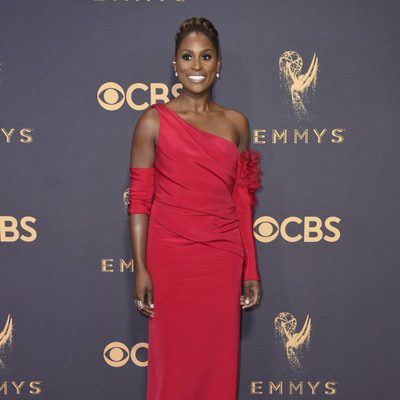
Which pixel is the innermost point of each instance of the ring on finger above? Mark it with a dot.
(139, 304)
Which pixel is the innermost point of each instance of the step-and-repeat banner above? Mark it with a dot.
(319, 83)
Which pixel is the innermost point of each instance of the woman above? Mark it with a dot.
(193, 179)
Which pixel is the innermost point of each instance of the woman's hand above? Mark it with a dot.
(142, 287)
(251, 293)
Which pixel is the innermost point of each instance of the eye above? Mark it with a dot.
(206, 56)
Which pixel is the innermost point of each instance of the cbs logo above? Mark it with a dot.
(10, 231)
(295, 229)
(117, 354)
(111, 96)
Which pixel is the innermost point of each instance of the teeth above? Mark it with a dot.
(197, 77)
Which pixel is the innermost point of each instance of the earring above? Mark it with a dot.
(217, 75)
(176, 73)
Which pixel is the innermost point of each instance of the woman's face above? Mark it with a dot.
(196, 57)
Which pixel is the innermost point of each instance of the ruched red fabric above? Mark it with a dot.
(200, 248)
(141, 190)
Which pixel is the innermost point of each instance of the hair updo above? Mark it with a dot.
(197, 24)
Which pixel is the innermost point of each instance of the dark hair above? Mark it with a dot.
(197, 24)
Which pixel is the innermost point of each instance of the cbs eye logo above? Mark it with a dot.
(117, 354)
(112, 96)
(295, 229)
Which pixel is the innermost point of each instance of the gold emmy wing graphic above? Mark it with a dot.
(285, 327)
(296, 83)
(6, 337)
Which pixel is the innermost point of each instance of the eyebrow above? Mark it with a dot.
(200, 51)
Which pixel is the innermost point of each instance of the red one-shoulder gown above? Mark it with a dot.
(199, 197)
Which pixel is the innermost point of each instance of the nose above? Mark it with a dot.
(196, 64)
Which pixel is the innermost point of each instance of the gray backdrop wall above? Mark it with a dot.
(75, 76)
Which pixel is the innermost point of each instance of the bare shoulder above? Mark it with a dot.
(240, 119)
(237, 117)
(144, 139)
(241, 123)
(148, 123)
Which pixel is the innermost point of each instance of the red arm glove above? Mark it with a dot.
(246, 184)
(141, 190)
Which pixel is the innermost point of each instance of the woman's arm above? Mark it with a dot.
(246, 184)
(141, 192)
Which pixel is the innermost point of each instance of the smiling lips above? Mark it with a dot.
(196, 78)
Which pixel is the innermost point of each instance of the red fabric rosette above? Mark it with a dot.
(249, 172)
